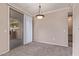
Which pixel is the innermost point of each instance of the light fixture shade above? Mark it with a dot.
(39, 16)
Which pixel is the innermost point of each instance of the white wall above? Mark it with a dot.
(4, 37)
(76, 30)
(53, 29)
(27, 29)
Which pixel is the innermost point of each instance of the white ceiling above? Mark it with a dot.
(32, 8)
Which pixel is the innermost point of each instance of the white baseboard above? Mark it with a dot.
(27, 42)
(51, 43)
(4, 52)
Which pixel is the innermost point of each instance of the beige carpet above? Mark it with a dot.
(40, 49)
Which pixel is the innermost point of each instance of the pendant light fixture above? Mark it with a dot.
(40, 16)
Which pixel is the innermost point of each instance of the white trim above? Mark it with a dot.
(26, 43)
(52, 11)
(51, 43)
(8, 28)
(14, 8)
(21, 10)
(56, 10)
(3, 52)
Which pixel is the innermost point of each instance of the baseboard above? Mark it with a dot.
(51, 43)
(27, 42)
(4, 52)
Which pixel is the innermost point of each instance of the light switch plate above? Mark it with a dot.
(5, 30)
(64, 30)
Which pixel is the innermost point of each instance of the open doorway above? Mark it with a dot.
(70, 29)
(16, 28)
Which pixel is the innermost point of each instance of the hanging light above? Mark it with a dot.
(39, 16)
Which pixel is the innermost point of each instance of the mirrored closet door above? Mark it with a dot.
(16, 28)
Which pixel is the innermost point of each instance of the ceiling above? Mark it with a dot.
(32, 8)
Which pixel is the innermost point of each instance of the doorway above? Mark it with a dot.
(70, 30)
(16, 28)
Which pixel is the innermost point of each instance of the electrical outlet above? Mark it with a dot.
(53, 38)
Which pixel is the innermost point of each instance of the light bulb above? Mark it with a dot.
(39, 17)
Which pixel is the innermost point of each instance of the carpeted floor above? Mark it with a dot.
(40, 49)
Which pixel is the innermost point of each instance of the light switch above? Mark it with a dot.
(5, 30)
(64, 30)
